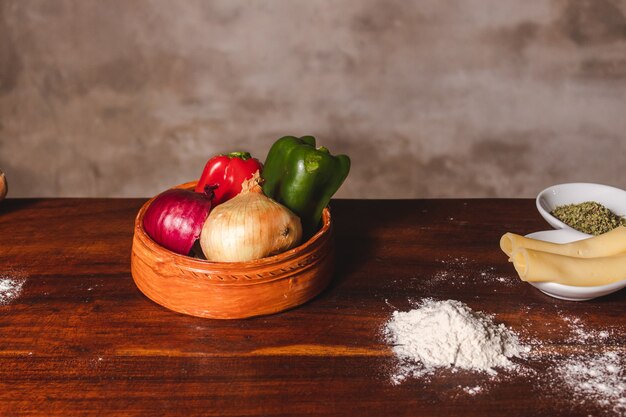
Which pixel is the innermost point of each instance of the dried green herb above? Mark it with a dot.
(588, 217)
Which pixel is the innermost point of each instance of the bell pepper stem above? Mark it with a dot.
(241, 155)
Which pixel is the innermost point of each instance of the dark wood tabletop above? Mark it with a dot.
(81, 339)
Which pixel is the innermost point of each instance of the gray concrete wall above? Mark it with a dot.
(430, 98)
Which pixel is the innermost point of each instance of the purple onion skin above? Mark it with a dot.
(174, 219)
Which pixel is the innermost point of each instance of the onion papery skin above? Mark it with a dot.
(174, 219)
(248, 227)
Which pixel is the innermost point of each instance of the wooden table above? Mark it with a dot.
(81, 339)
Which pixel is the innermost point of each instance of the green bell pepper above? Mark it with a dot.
(303, 178)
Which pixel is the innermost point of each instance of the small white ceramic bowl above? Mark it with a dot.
(570, 292)
(574, 193)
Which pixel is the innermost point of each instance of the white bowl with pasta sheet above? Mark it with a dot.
(575, 193)
(570, 292)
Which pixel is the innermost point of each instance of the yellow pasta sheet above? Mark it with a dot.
(534, 265)
(607, 244)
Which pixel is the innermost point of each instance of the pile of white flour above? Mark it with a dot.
(449, 334)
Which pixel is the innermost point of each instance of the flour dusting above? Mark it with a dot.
(473, 390)
(449, 334)
(460, 271)
(581, 333)
(598, 378)
(10, 288)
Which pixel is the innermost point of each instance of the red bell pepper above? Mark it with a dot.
(227, 172)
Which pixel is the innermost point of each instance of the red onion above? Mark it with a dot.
(174, 219)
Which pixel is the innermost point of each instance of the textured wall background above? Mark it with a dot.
(430, 98)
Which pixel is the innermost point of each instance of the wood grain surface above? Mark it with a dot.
(82, 340)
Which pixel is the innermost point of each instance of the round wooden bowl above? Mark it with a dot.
(231, 290)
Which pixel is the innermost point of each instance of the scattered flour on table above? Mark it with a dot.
(596, 378)
(581, 333)
(472, 390)
(10, 288)
(586, 375)
(449, 334)
(459, 271)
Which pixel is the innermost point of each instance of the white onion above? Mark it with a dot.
(249, 226)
